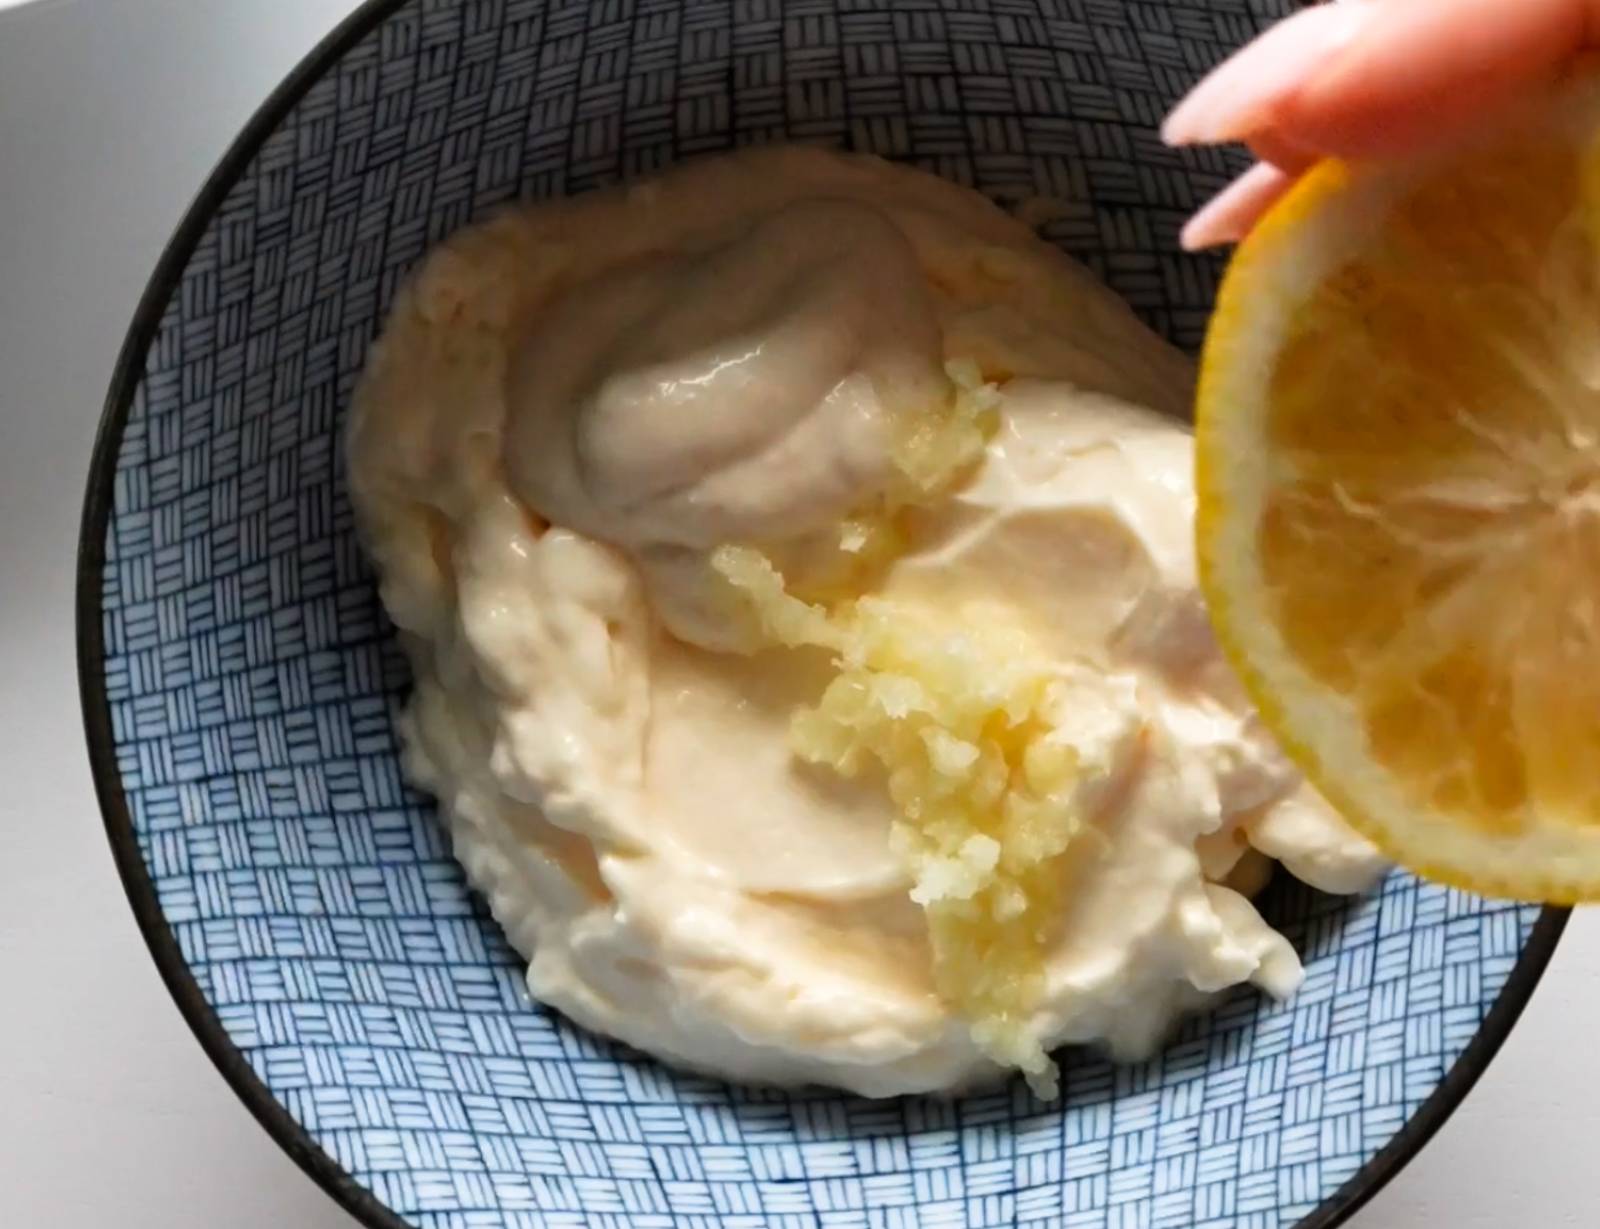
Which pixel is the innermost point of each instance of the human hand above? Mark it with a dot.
(1368, 78)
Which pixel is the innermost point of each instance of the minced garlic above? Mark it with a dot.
(957, 719)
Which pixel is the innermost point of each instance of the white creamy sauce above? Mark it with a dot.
(574, 404)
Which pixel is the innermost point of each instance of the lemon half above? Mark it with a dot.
(1398, 463)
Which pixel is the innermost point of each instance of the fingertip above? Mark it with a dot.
(1178, 130)
(1233, 101)
(1228, 216)
(1202, 233)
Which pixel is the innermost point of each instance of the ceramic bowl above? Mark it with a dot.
(240, 682)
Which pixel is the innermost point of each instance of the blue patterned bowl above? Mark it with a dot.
(240, 684)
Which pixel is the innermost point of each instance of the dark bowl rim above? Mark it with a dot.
(196, 1010)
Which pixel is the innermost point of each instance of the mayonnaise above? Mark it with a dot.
(575, 405)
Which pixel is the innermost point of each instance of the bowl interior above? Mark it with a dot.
(241, 684)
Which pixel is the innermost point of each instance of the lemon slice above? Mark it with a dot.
(1399, 478)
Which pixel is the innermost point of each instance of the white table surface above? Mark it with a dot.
(111, 113)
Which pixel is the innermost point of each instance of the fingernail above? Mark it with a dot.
(1228, 216)
(1234, 99)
